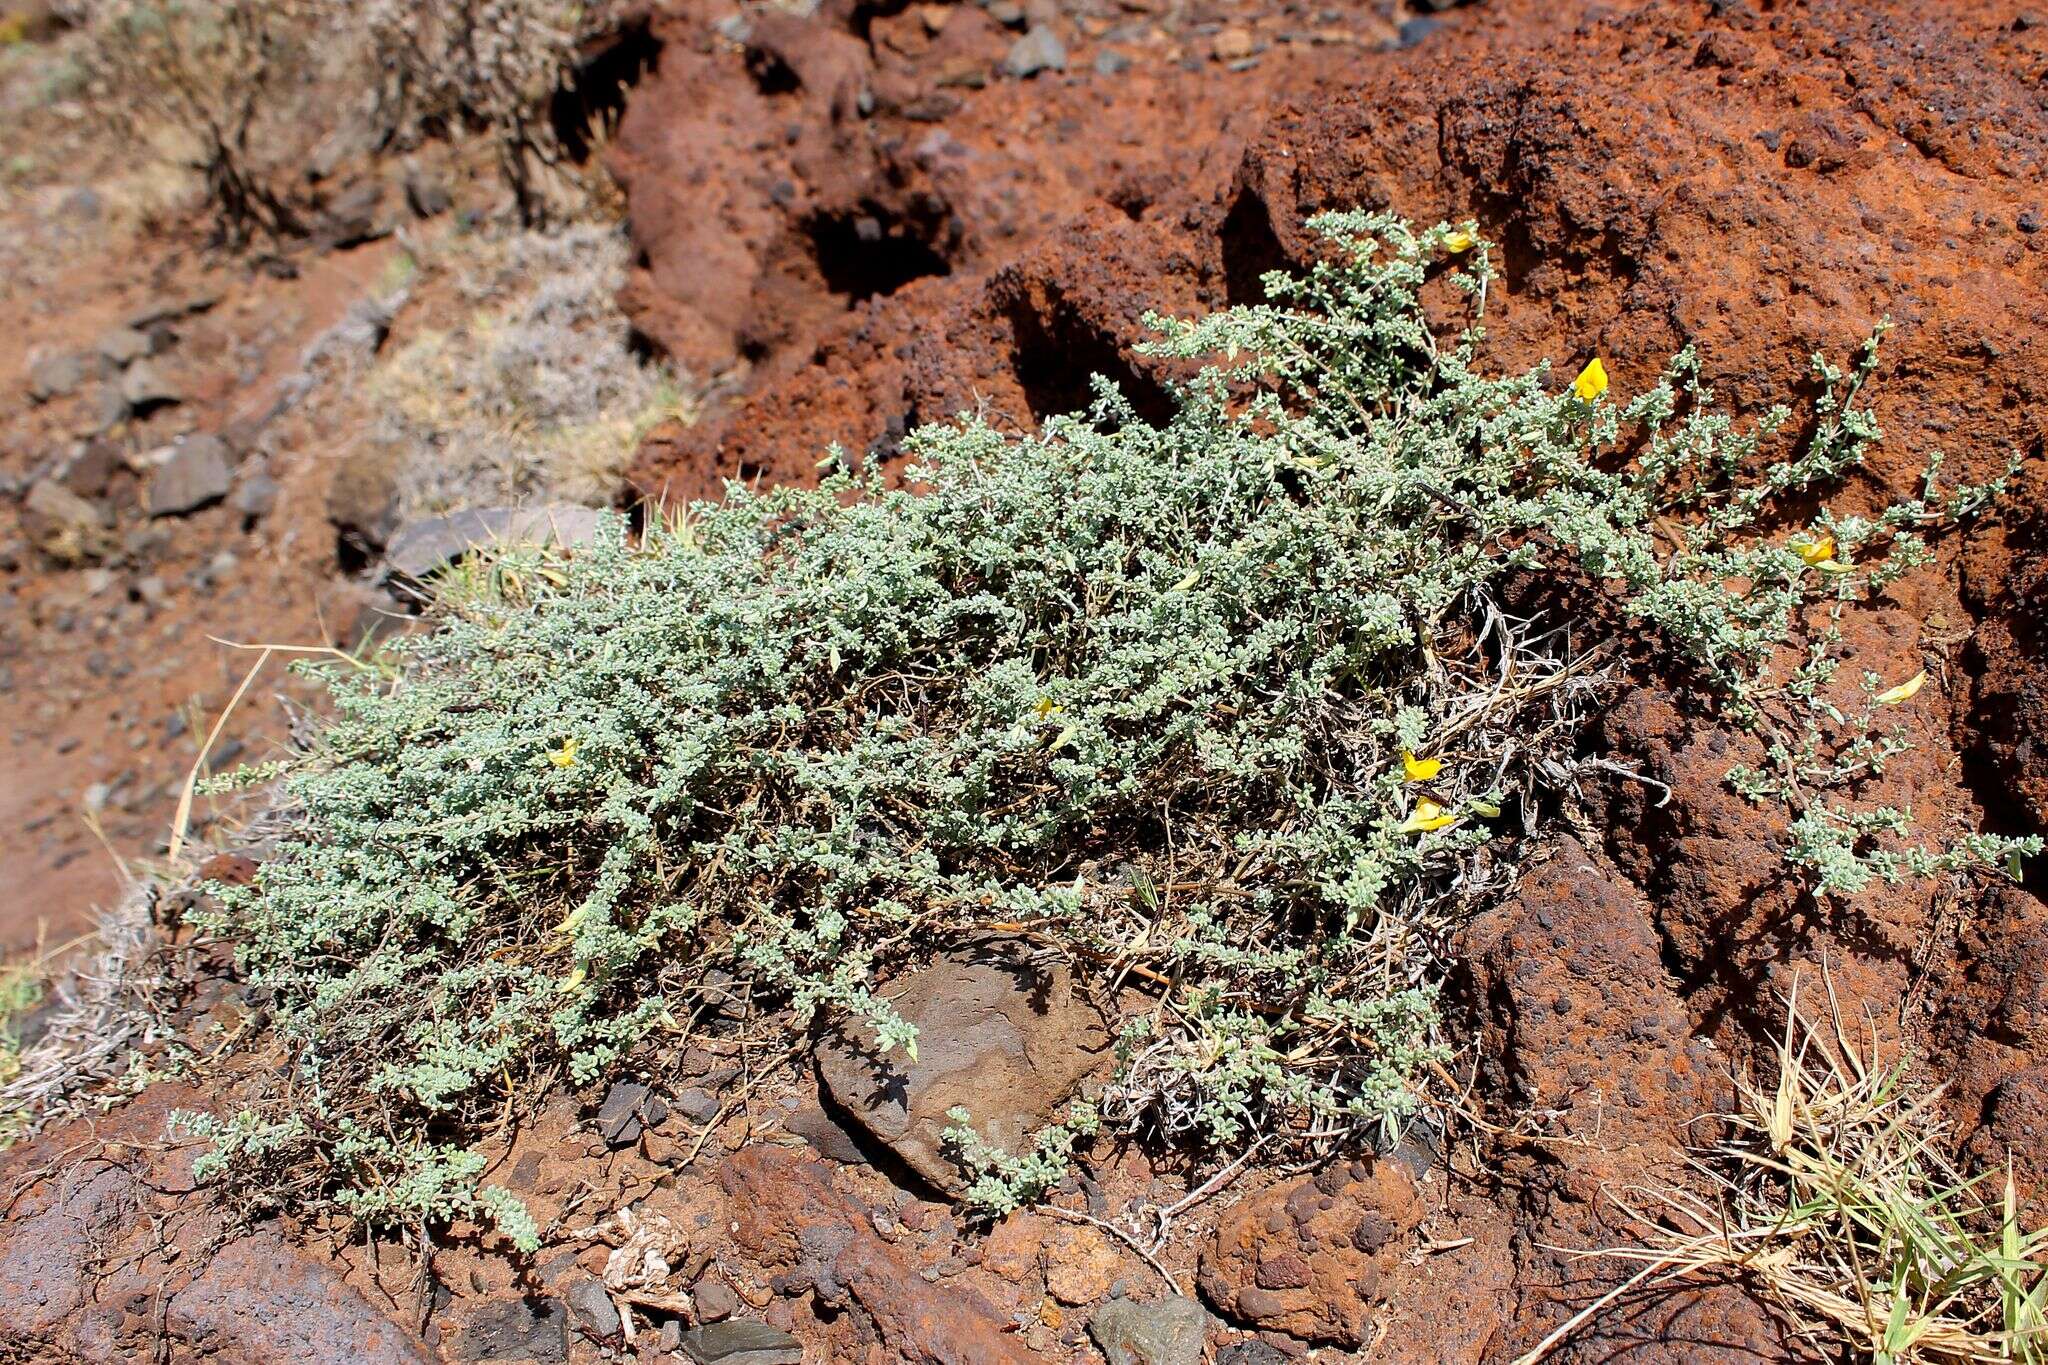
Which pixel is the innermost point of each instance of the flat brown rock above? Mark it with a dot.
(999, 1034)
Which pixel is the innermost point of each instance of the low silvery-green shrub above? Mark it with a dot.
(1234, 708)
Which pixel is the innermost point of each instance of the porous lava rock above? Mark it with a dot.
(854, 218)
(786, 1212)
(1313, 1259)
(1580, 1020)
(2004, 732)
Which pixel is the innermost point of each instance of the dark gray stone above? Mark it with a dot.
(193, 474)
(591, 1310)
(1169, 1331)
(1420, 1147)
(811, 1123)
(255, 496)
(741, 1343)
(57, 376)
(629, 1109)
(697, 1104)
(1415, 30)
(422, 547)
(123, 346)
(1039, 50)
(107, 407)
(142, 387)
(1251, 1353)
(515, 1330)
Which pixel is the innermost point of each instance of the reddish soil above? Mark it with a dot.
(861, 227)
(117, 657)
(116, 667)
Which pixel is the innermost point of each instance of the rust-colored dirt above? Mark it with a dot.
(857, 226)
(113, 670)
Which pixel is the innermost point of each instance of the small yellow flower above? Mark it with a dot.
(1459, 242)
(573, 979)
(1419, 769)
(1815, 551)
(1485, 808)
(1426, 816)
(1047, 707)
(1592, 381)
(1905, 691)
(565, 757)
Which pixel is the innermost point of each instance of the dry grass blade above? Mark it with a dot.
(104, 1009)
(183, 818)
(1835, 1200)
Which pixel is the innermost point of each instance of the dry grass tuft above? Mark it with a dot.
(537, 393)
(111, 1004)
(1833, 1197)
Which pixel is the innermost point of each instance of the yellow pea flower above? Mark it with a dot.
(1905, 691)
(1592, 381)
(565, 757)
(1426, 816)
(1459, 242)
(1047, 707)
(573, 979)
(1815, 551)
(1419, 769)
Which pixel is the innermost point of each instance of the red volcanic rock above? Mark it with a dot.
(788, 1214)
(944, 240)
(1310, 1259)
(108, 1255)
